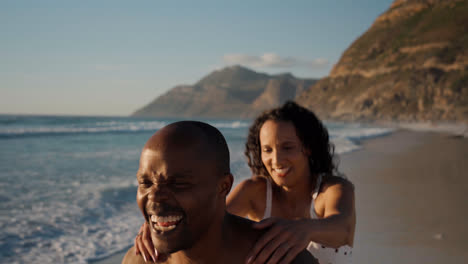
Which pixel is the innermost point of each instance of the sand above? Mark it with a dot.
(411, 199)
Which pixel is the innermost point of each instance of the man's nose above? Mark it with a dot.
(159, 193)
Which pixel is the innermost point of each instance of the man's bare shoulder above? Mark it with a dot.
(242, 229)
(305, 257)
(132, 258)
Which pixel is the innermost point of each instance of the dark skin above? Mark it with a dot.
(182, 195)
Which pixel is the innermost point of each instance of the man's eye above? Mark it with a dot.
(182, 185)
(145, 184)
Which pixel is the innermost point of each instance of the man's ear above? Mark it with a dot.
(225, 184)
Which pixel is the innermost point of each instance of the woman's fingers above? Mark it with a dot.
(137, 239)
(278, 254)
(265, 246)
(281, 243)
(147, 243)
(266, 252)
(291, 254)
(137, 246)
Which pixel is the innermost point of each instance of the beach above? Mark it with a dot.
(410, 198)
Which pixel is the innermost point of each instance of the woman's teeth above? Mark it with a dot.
(282, 170)
(165, 223)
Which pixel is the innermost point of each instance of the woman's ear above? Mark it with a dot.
(306, 151)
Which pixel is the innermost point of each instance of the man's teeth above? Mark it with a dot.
(165, 219)
(165, 223)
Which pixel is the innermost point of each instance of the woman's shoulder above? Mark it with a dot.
(254, 185)
(336, 182)
(336, 196)
(247, 197)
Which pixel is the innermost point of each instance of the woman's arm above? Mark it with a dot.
(286, 238)
(336, 227)
(238, 201)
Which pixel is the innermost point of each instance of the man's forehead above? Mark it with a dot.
(173, 157)
(149, 152)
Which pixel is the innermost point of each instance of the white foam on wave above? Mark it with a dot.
(72, 229)
(344, 145)
(458, 129)
(360, 132)
(101, 127)
(233, 124)
(346, 137)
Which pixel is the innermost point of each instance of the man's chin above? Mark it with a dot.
(169, 243)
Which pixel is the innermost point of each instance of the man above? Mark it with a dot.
(183, 180)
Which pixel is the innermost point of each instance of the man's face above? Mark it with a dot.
(178, 195)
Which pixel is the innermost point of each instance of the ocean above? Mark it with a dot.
(68, 186)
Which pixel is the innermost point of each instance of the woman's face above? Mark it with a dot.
(282, 154)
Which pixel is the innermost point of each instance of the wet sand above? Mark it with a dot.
(411, 199)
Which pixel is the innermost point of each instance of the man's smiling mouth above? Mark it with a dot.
(165, 223)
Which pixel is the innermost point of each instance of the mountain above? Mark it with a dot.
(232, 92)
(411, 64)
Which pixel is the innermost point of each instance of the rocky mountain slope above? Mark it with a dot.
(232, 92)
(412, 64)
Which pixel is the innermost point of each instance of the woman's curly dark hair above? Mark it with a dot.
(310, 130)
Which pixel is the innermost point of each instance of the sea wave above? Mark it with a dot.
(346, 137)
(96, 221)
(233, 124)
(102, 127)
(356, 133)
(98, 128)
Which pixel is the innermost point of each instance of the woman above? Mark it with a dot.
(296, 191)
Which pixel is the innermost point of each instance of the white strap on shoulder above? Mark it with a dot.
(317, 186)
(268, 199)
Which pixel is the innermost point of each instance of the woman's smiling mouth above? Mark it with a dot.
(281, 172)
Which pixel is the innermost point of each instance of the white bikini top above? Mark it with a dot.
(325, 255)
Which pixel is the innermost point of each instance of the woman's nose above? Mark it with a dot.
(277, 157)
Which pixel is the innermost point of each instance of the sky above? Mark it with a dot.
(111, 57)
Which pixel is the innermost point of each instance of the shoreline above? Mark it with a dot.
(410, 187)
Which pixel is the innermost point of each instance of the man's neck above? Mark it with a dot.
(206, 250)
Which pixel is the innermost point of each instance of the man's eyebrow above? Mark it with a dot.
(183, 175)
(140, 175)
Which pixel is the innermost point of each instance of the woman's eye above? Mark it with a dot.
(288, 147)
(266, 150)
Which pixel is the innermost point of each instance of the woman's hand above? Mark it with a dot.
(144, 245)
(282, 242)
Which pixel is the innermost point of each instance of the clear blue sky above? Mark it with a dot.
(109, 57)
